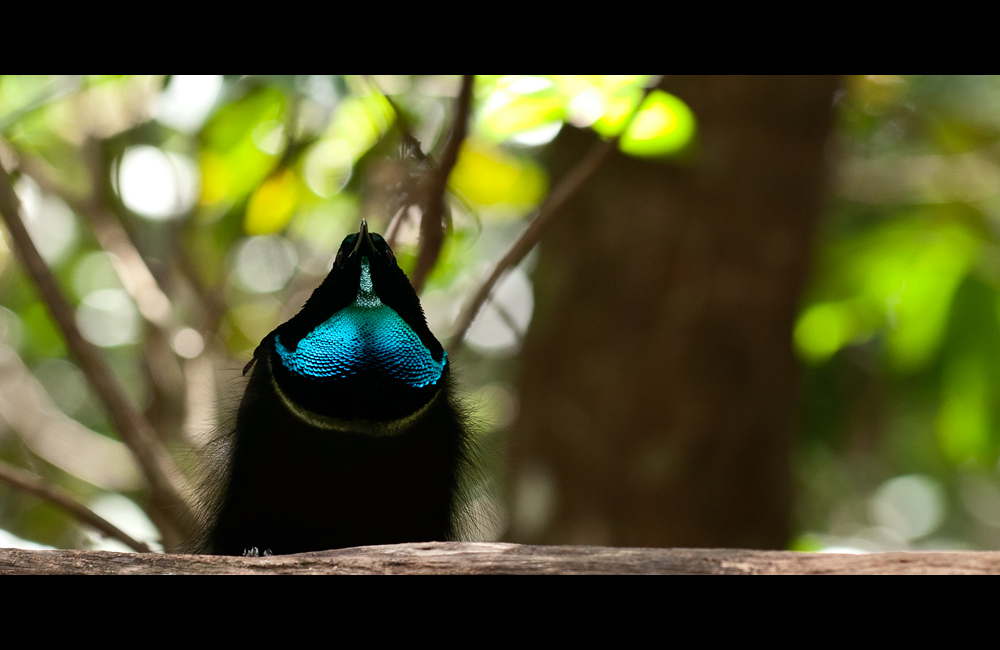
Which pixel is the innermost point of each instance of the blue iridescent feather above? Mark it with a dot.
(367, 335)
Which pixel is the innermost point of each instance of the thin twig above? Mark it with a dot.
(168, 386)
(170, 511)
(33, 485)
(557, 198)
(51, 434)
(431, 223)
(392, 230)
(132, 270)
(409, 145)
(509, 320)
(136, 277)
(520, 248)
(403, 123)
(55, 91)
(212, 299)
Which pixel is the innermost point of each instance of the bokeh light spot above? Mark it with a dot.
(50, 222)
(188, 343)
(488, 176)
(327, 167)
(663, 126)
(108, 318)
(912, 506)
(156, 185)
(501, 324)
(265, 264)
(187, 100)
(822, 330)
(271, 206)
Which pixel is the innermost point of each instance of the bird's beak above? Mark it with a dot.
(364, 245)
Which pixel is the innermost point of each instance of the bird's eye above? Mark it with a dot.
(389, 256)
(340, 260)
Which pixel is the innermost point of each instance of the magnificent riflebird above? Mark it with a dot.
(348, 432)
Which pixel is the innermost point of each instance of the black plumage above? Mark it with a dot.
(348, 433)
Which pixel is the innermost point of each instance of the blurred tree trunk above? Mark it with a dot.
(658, 384)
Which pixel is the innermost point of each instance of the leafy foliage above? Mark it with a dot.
(899, 332)
(236, 191)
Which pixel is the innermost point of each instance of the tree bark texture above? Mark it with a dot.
(457, 558)
(658, 384)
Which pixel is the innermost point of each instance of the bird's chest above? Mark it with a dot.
(367, 339)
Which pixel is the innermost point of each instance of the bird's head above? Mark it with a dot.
(360, 346)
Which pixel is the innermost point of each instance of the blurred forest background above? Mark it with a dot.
(762, 312)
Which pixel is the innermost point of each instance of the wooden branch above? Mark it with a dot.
(558, 197)
(212, 299)
(555, 200)
(469, 558)
(136, 278)
(431, 223)
(169, 509)
(35, 486)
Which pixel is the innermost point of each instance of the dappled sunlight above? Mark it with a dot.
(49, 220)
(664, 125)
(901, 328)
(108, 318)
(497, 181)
(272, 205)
(503, 322)
(185, 217)
(156, 184)
(265, 264)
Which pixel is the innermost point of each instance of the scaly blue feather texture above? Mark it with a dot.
(365, 335)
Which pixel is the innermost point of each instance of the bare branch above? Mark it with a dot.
(531, 236)
(484, 558)
(557, 198)
(130, 266)
(212, 299)
(167, 406)
(392, 230)
(431, 223)
(136, 278)
(510, 322)
(58, 438)
(133, 271)
(169, 509)
(33, 485)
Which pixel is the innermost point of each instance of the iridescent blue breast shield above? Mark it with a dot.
(366, 336)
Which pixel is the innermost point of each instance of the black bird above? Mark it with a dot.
(348, 433)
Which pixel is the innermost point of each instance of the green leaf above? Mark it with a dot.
(663, 126)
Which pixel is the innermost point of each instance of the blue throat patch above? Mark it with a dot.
(367, 335)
